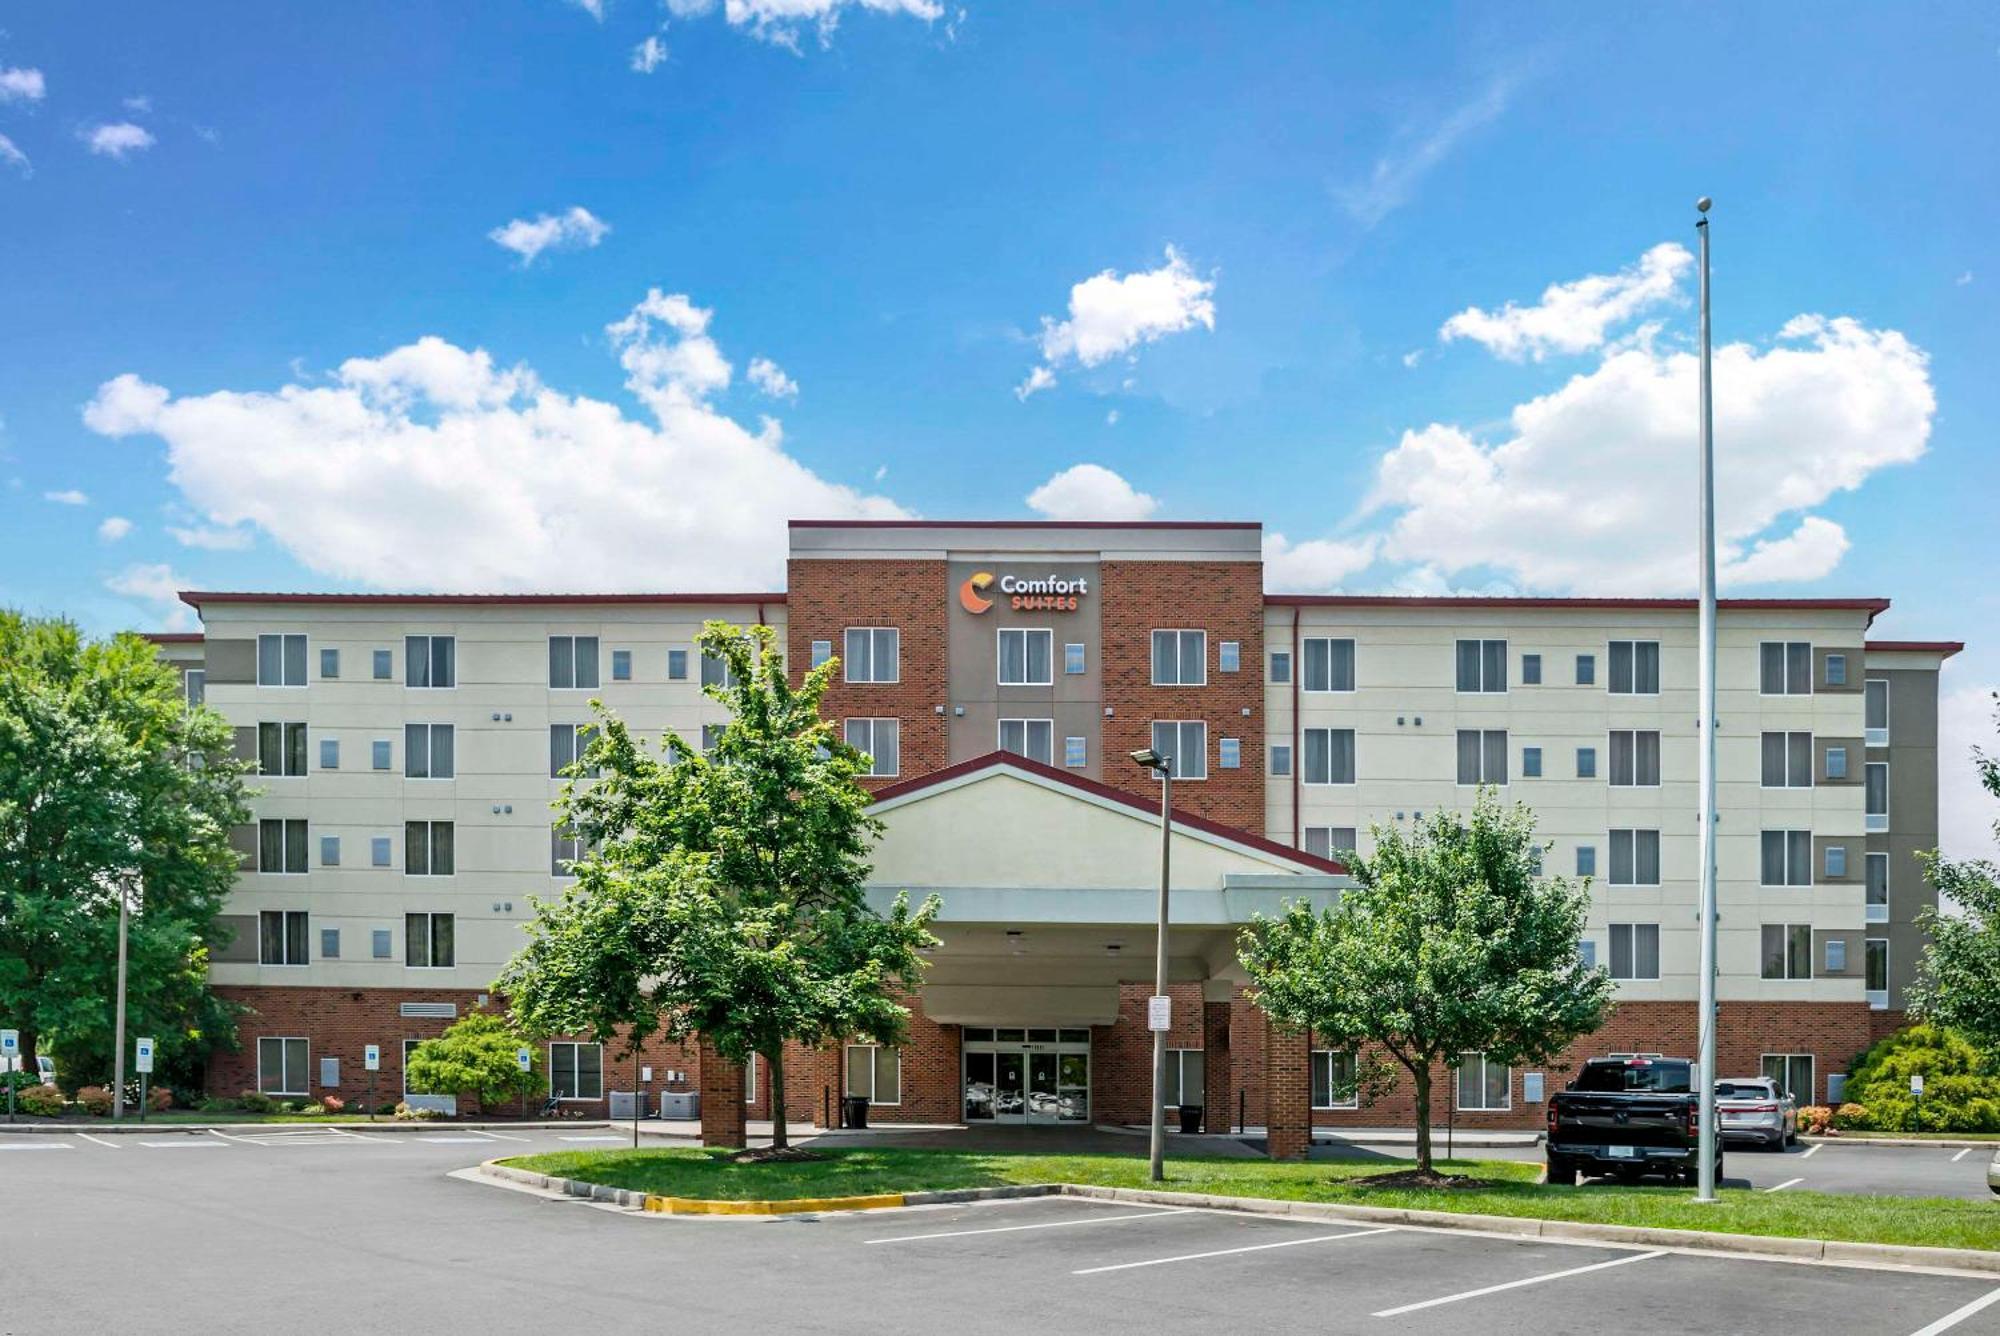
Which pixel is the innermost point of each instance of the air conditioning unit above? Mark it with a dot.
(626, 1104)
(680, 1104)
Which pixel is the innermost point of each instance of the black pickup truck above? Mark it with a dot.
(1629, 1117)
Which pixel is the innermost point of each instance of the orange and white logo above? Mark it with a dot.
(968, 593)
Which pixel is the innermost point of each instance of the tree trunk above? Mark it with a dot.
(1420, 1076)
(26, 1057)
(776, 1059)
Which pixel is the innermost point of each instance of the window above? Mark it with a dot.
(428, 751)
(1229, 656)
(1635, 858)
(1531, 762)
(1072, 658)
(750, 1080)
(1876, 867)
(1229, 753)
(430, 661)
(1784, 668)
(1281, 666)
(329, 663)
(1788, 760)
(621, 665)
(875, 1073)
(1788, 950)
(1875, 964)
(1586, 763)
(281, 937)
(1334, 842)
(716, 672)
(881, 741)
(1281, 758)
(576, 1071)
(281, 1066)
(1531, 670)
(1635, 758)
(329, 753)
(677, 661)
(873, 654)
(329, 944)
(427, 941)
(1635, 668)
(1836, 860)
(1836, 763)
(329, 851)
(1329, 756)
(1180, 658)
(427, 848)
(1184, 1077)
(1482, 756)
(1586, 860)
(281, 661)
(1586, 953)
(1836, 670)
(1875, 711)
(281, 846)
(565, 849)
(1024, 657)
(1635, 951)
(573, 663)
(1076, 753)
(1032, 738)
(281, 749)
(384, 667)
(567, 745)
(1333, 1080)
(1484, 1085)
(1876, 804)
(379, 945)
(1586, 669)
(378, 851)
(378, 753)
(1185, 742)
(1793, 1073)
(1328, 665)
(1482, 665)
(711, 736)
(195, 684)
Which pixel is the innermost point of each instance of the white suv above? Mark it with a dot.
(1752, 1108)
(43, 1063)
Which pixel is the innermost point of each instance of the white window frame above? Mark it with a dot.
(1229, 753)
(1483, 778)
(581, 735)
(1353, 665)
(1181, 774)
(1076, 752)
(1611, 758)
(750, 1080)
(847, 1074)
(430, 751)
(1027, 737)
(1229, 656)
(1878, 998)
(284, 727)
(429, 662)
(576, 1046)
(1786, 651)
(1464, 1059)
(1788, 884)
(1611, 855)
(597, 668)
(1276, 675)
(1180, 654)
(1876, 913)
(1611, 668)
(305, 939)
(1875, 822)
(1330, 783)
(1027, 633)
(1319, 842)
(1076, 658)
(1787, 734)
(1788, 976)
(305, 659)
(1482, 689)
(285, 1065)
(1876, 737)
(1324, 1057)
(874, 760)
(1812, 1081)
(1631, 951)
(194, 687)
(874, 633)
(286, 824)
(430, 917)
(1177, 1065)
(430, 847)
(1278, 759)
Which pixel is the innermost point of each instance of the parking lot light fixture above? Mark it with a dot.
(1163, 766)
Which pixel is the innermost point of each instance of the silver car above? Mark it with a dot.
(1993, 1173)
(1752, 1108)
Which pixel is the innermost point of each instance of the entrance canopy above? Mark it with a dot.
(1050, 884)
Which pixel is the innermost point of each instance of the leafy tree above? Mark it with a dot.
(478, 1053)
(723, 899)
(1958, 981)
(107, 781)
(1451, 942)
(1961, 1088)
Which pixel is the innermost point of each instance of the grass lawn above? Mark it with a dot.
(1929, 1221)
(227, 1116)
(1921, 1136)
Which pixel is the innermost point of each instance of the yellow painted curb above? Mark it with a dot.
(701, 1206)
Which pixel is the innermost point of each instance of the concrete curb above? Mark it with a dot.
(1935, 1143)
(134, 1128)
(649, 1201)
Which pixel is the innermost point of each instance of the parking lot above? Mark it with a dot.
(265, 1230)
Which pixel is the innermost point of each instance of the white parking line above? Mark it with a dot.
(1517, 1284)
(36, 1145)
(356, 1136)
(1787, 1183)
(1231, 1252)
(1952, 1319)
(501, 1136)
(227, 1137)
(178, 1142)
(1961, 1155)
(590, 1138)
(1811, 1151)
(100, 1141)
(1042, 1224)
(452, 1141)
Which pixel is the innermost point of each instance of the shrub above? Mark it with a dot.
(1961, 1093)
(408, 1114)
(256, 1101)
(40, 1100)
(216, 1104)
(1852, 1117)
(94, 1100)
(1813, 1119)
(314, 1109)
(20, 1080)
(159, 1099)
(333, 1104)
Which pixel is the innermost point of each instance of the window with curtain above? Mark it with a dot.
(281, 1066)
(281, 749)
(428, 941)
(1635, 668)
(281, 937)
(1333, 1080)
(1180, 658)
(1032, 738)
(1024, 656)
(1635, 758)
(1482, 756)
(430, 661)
(881, 740)
(1328, 664)
(873, 654)
(1787, 858)
(573, 662)
(1186, 742)
(1484, 1085)
(875, 1073)
(1635, 858)
(429, 751)
(1482, 665)
(1329, 756)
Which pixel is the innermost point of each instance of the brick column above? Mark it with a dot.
(1218, 1091)
(721, 1100)
(1287, 1092)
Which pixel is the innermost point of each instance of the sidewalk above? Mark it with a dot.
(130, 1126)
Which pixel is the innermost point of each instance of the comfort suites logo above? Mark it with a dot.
(1048, 593)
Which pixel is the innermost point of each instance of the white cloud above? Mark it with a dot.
(114, 528)
(1574, 317)
(1111, 418)
(158, 585)
(1965, 279)
(1412, 357)
(11, 154)
(363, 476)
(1112, 314)
(1416, 150)
(139, 103)
(575, 229)
(780, 22)
(1317, 565)
(22, 85)
(770, 378)
(68, 497)
(118, 139)
(594, 8)
(1593, 487)
(1090, 492)
(649, 55)
(213, 540)
(1966, 811)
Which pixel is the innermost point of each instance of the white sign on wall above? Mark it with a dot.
(1159, 1013)
(371, 1058)
(526, 1059)
(10, 1042)
(1917, 1084)
(144, 1051)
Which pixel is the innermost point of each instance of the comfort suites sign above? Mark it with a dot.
(1037, 593)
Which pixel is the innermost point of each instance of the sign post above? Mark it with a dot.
(10, 1056)
(143, 1050)
(1917, 1093)
(525, 1059)
(371, 1059)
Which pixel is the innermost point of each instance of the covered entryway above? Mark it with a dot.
(1028, 1075)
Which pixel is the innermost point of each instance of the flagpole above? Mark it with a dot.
(1705, 1068)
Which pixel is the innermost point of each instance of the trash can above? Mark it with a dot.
(854, 1110)
(1190, 1117)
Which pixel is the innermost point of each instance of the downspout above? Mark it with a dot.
(1298, 834)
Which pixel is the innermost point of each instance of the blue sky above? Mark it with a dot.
(1285, 264)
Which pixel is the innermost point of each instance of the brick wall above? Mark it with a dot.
(1227, 600)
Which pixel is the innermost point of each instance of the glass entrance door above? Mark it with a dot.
(1022, 1075)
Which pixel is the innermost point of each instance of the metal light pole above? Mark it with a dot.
(118, 1025)
(1705, 1146)
(1163, 766)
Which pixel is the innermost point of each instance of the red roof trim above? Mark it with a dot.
(1947, 648)
(1872, 606)
(995, 759)
(174, 637)
(197, 597)
(1026, 524)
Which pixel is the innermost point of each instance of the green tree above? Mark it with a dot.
(1451, 942)
(1961, 1089)
(1958, 980)
(724, 895)
(478, 1053)
(109, 782)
